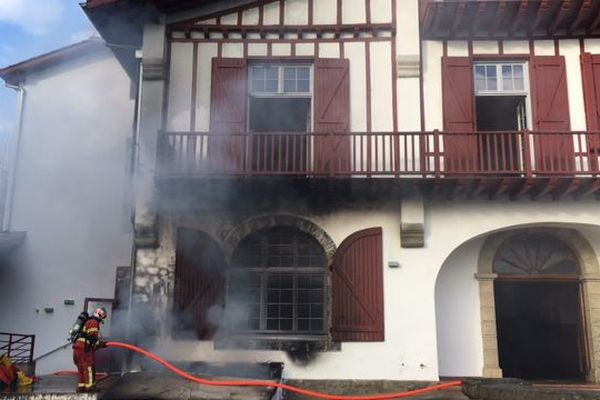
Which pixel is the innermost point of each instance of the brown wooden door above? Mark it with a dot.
(460, 148)
(332, 115)
(554, 152)
(357, 288)
(590, 67)
(227, 115)
(199, 281)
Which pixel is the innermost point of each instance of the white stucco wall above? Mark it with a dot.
(458, 326)
(71, 199)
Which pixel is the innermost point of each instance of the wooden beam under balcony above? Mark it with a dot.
(511, 18)
(520, 18)
(540, 16)
(561, 18)
(584, 13)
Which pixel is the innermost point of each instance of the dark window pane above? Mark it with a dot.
(316, 281)
(289, 73)
(303, 325)
(316, 325)
(258, 86)
(289, 86)
(273, 296)
(257, 73)
(303, 86)
(271, 86)
(287, 296)
(272, 324)
(303, 282)
(272, 73)
(303, 72)
(316, 296)
(303, 311)
(286, 324)
(316, 311)
(287, 281)
(506, 72)
(286, 311)
(303, 296)
(272, 311)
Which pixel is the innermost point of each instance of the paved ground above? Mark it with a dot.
(164, 385)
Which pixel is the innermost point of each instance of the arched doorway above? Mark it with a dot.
(539, 308)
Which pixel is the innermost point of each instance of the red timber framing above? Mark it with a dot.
(509, 19)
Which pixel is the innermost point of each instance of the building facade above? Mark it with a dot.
(383, 189)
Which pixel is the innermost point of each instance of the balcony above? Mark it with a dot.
(509, 19)
(516, 163)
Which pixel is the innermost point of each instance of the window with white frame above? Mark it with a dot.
(280, 79)
(493, 78)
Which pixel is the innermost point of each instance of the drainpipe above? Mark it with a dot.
(13, 158)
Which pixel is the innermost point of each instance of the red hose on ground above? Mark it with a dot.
(283, 386)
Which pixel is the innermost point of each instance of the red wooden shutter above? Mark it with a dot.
(590, 67)
(228, 113)
(460, 148)
(553, 153)
(332, 115)
(357, 288)
(199, 280)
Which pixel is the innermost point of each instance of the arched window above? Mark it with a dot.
(276, 283)
(535, 254)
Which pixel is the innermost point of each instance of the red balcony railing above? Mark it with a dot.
(18, 347)
(402, 154)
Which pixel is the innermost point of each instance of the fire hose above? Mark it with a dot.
(283, 386)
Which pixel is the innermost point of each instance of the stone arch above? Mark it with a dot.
(589, 275)
(235, 236)
(588, 261)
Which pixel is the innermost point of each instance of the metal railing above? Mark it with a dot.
(18, 347)
(416, 154)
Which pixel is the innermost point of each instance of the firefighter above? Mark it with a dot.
(84, 349)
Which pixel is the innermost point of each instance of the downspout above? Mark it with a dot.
(13, 156)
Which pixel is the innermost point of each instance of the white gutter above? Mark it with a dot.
(13, 158)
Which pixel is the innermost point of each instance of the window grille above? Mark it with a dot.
(278, 275)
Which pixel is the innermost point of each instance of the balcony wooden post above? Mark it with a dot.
(436, 152)
(527, 155)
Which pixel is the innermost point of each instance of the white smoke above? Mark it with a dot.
(33, 16)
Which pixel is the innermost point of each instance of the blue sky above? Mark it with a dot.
(29, 28)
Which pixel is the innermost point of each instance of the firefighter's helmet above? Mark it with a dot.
(99, 313)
